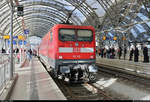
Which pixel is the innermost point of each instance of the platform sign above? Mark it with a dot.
(104, 37)
(124, 38)
(20, 37)
(15, 37)
(115, 38)
(109, 38)
(20, 10)
(26, 31)
(6, 37)
(20, 42)
(25, 42)
(14, 42)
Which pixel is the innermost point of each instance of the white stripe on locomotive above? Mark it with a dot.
(70, 50)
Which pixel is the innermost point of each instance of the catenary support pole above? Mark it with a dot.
(11, 39)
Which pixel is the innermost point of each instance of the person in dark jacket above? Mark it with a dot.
(108, 52)
(102, 52)
(30, 54)
(125, 52)
(120, 52)
(3, 50)
(112, 52)
(136, 55)
(145, 53)
(131, 54)
(17, 50)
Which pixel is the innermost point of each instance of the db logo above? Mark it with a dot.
(76, 49)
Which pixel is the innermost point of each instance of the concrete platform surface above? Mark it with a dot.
(8, 88)
(34, 83)
(140, 68)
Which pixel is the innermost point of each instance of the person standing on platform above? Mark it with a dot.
(29, 54)
(17, 50)
(108, 51)
(99, 51)
(145, 53)
(136, 55)
(125, 52)
(120, 52)
(3, 50)
(102, 52)
(112, 52)
(18, 58)
(131, 54)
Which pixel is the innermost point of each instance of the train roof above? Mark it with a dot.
(73, 26)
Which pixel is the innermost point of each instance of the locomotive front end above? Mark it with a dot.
(78, 72)
(76, 53)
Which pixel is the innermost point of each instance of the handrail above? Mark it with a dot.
(4, 71)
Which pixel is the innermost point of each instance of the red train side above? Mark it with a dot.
(70, 51)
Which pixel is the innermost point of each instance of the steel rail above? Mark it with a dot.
(100, 91)
(124, 74)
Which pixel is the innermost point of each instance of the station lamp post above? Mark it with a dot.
(19, 13)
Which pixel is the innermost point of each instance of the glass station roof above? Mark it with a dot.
(109, 17)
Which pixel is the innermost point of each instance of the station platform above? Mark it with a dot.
(138, 68)
(34, 83)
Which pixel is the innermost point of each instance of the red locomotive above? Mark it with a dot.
(69, 50)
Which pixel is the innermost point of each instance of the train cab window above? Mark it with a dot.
(67, 34)
(84, 35)
(51, 36)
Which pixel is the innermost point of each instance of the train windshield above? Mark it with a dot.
(67, 35)
(75, 35)
(84, 35)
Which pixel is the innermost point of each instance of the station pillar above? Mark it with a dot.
(11, 39)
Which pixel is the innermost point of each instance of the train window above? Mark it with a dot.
(67, 34)
(84, 35)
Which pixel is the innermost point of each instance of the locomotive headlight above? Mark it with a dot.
(91, 56)
(60, 57)
(92, 68)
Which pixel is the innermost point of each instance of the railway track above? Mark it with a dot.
(90, 91)
(85, 91)
(101, 93)
(124, 74)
